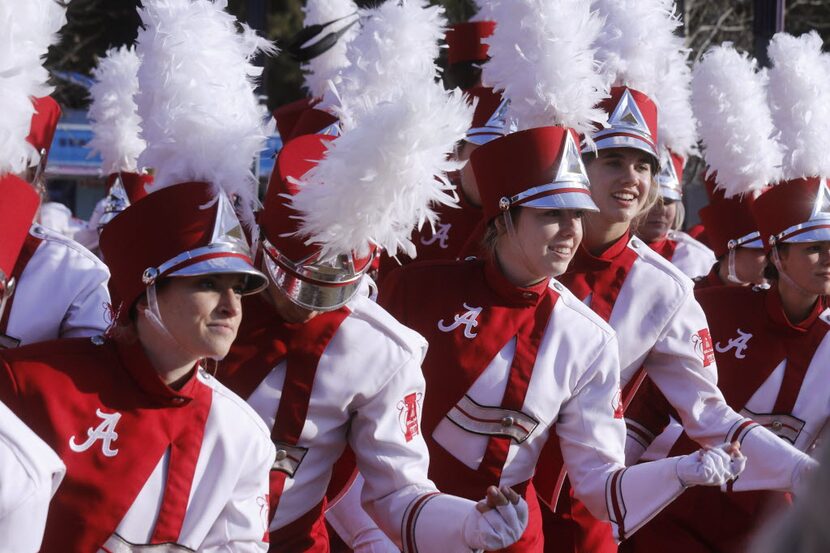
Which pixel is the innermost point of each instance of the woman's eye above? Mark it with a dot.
(207, 284)
(643, 167)
(238, 290)
(579, 214)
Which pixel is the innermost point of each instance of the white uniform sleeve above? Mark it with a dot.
(682, 365)
(30, 473)
(86, 315)
(592, 442)
(397, 493)
(242, 526)
(356, 528)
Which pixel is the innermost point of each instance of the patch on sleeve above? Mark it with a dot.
(702, 342)
(409, 415)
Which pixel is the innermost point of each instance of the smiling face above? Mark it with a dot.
(808, 264)
(621, 179)
(542, 246)
(202, 313)
(658, 221)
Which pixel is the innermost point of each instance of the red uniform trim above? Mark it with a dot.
(30, 246)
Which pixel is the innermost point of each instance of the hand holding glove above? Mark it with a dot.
(497, 521)
(711, 466)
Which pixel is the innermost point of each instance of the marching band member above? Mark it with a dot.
(115, 136)
(30, 471)
(735, 240)
(329, 27)
(157, 451)
(324, 365)
(513, 355)
(41, 306)
(660, 227)
(650, 303)
(771, 345)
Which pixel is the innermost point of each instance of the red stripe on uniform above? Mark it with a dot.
(615, 503)
(409, 525)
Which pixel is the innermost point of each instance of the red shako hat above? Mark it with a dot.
(294, 266)
(17, 211)
(286, 116)
(464, 41)
(182, 230)
(539, 167)
(728, 221)
(632, 122)
(489, 120)
(670, 177)
(44, 124)
(797, 210)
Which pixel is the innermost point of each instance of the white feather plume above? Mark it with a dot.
(115, 123)
(676, 124)
(200, 118)
(799, 93)
(637, 42)
(541, 58)
(484, 11)
(395, 50)
(328, 65)
(730, 101)
(379, 180)
(27, 29)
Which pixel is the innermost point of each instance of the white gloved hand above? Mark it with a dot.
(711, 467)
(497, 521)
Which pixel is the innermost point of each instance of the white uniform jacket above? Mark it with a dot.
(471, 314)
(661, 328)
(367, 391)
(693, 258)
(30, 473)
(60, 293)
(146, 464)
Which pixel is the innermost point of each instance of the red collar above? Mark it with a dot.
(775, 310)
(665, 247)
(586, 261)
(142, 371)
(506, 290)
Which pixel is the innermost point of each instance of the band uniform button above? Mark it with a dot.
(777, 425)
(507, 421)
(281, 454)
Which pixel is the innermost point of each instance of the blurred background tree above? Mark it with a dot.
(96, 25)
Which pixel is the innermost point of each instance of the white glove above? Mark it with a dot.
(501, 523)
(711, 467)
(373, 541)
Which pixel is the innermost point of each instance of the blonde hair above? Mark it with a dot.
(652, 198)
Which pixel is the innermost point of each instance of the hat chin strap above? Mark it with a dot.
(153, 314)
(776, 260)
(731, 273)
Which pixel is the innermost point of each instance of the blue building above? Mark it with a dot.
(74, 173)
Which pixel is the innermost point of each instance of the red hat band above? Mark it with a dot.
(181, 230)
(293, 265)
(670, 178)
(632, 122)
(18, 208)
(797, 210)
(464, 41)
(539, 167)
